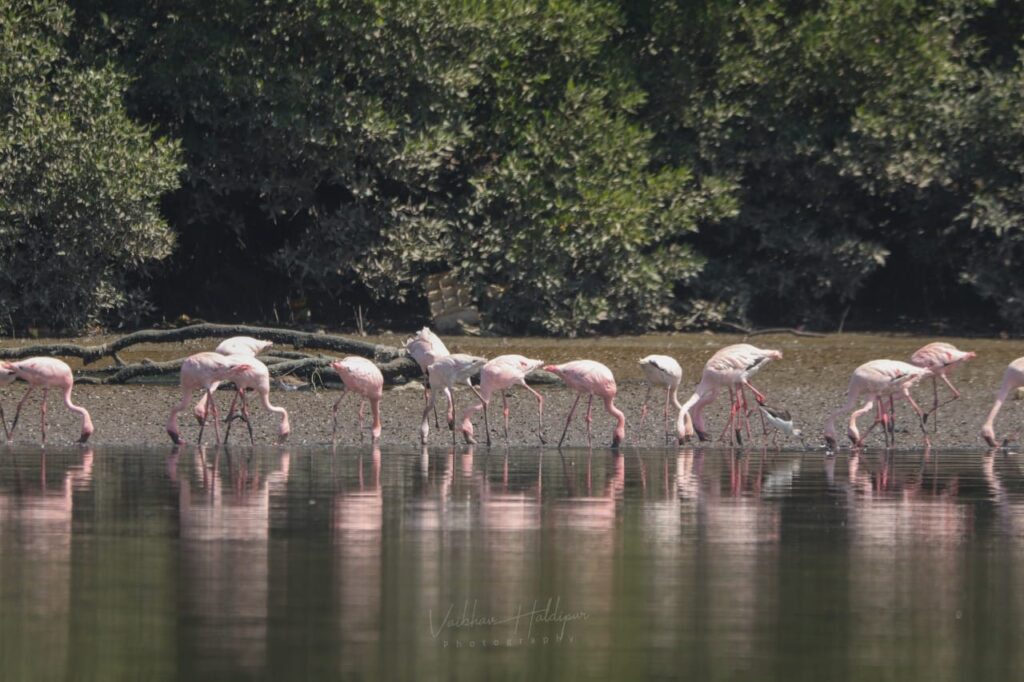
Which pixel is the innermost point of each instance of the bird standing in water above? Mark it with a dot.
(499, 375)
(256, 377)
(1013, 378)
(443, 375)
(874, 381)
(44, 373)
(204, 371)
(426, 348)
(591, 378)
(941, 358)
(363, 378)
(731, 367)
(663, 371)
(782, 420)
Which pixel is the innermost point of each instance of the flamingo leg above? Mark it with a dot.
(668, 401)
(245, 416)
(487, 423)
(334, 415)
(362, 405)
(42, 415)
(643, 412)
(3, 421)
(17, 413)
(230, 418)
(540, 412)
(732, 414)
(757, 394)
(589, 419)
(569, 419)
(504, 408)
(956, 396)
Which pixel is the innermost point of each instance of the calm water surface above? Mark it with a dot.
(526, 564)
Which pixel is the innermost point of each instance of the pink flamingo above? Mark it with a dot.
(364, 378)
(874, 381)
(426, 349)
(592, 378)
(443, 375)
(731, 367)
(941, 358)
(499, 375)
(204, 371)
(1013, 378)
(254, 375)
(663, 371)
(44, 373)
(236, 345)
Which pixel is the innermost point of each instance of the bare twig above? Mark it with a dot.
(772, 330)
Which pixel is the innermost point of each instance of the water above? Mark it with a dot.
(527, 564)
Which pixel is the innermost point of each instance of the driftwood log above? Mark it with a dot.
(394, 363)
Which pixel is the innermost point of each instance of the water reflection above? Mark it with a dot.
(259, 562)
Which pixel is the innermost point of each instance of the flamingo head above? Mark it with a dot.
(554, 369)
(7, 374)
(989, 435)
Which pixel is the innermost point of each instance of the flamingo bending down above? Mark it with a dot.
(204, 371)
(426, 349)
(941, 358)
(874, 381)
(443, 375)
(731, 367)
(236, 345)
(592, 378)
(664, 371)
(1013, 378)
(364, 378)
(254, 375)
(44, 373)
(499, 375)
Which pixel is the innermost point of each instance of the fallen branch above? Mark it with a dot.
(772, 330)
(89, 354)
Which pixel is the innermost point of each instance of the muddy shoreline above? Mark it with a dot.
(810, 381)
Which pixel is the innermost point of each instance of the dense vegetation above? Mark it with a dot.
(579, 165)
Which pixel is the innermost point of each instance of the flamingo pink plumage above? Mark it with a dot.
(499, 375)
(426, 348)
(254, 375)
(874, 381)
(235, 345)
(941, 358)
(443, 375)
(204, 371)
(1013, 378)
(362, 377)
(663, 371)
(731, 367)
(592, 378)
(44, 373)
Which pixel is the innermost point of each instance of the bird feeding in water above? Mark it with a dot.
(1013, 378)
(941, 358)
(363, 378)
(44, 373)
(663, 371)
(592, 378)
(499, 375)
(782, 420)
(443, 375)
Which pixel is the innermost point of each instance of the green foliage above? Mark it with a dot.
(380, 142)
(79, 181)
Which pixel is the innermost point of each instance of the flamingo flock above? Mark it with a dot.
(874, 386)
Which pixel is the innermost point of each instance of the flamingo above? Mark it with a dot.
(254, 375)
(940, 358)
(442, 376)
(592, 378)
(731, 367)
(499, 375)
(243, 345)
(664, 371)
(204, 371)
(876, 380)
(44, 373)
(236, 345)
(364, 378)
(1013, 378)
(426, 349)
